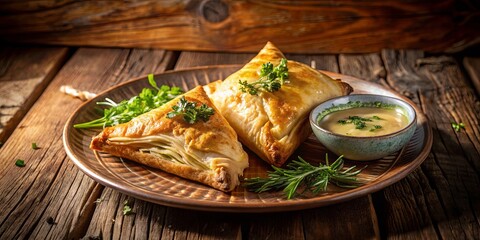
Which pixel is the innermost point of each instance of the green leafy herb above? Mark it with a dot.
(20, 163)
(271, 78)
(191, 113)
(124, 111)
(127, 210)
(375, 127)
(458, 126)
(34, 146)
(301, 173)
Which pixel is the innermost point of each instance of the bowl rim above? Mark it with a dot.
(411, 123)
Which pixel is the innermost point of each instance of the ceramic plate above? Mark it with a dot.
(166, 189)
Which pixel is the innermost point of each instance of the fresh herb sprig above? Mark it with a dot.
(301, 173)
(271, 78)
(191, 113)
(148, 99)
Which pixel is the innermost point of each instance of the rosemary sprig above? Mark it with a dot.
(271, 78)
(300, 172)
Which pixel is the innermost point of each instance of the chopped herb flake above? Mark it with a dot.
(359, 122)
(34, 146)
(375, 127)
(127, 210)
(20, 163)
(458, 126)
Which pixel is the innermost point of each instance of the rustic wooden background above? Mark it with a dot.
(52, 198)
(345, 26)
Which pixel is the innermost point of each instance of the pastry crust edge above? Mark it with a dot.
(218, 178)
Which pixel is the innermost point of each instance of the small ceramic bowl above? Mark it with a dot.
(369, 147)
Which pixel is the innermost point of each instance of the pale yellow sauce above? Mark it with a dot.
(391, 120)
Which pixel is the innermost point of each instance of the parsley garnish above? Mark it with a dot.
(301, 173)
(20, 163)
(375, 127)
(148, 99)
(458, 126)
(34, 146)
(191, 113)
(271, 78)
(360, 122)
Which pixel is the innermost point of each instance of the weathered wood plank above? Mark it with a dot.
(367, 67)
(472, 65)
(195, 59)
(228, 25)
(187, 224)
(438, 200)
(50, 185)
(355, 219)
(24, 74)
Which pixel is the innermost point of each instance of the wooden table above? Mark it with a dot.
(51, 198)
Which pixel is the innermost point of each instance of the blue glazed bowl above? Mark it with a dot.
(370, 147)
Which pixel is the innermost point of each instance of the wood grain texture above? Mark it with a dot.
(354, 219)
(440, 200)
(472, 65)
(195, 59)
(368, 67)
(24, 74)
(239, 26)
(50, 197)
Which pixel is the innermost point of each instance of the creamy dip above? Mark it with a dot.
(365, 121)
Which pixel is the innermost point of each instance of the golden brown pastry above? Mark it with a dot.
(205, 151)
(273, 124)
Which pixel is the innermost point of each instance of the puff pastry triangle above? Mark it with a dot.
(205, 151)
(273, 124)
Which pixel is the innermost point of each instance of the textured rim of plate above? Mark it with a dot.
(287, 205)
